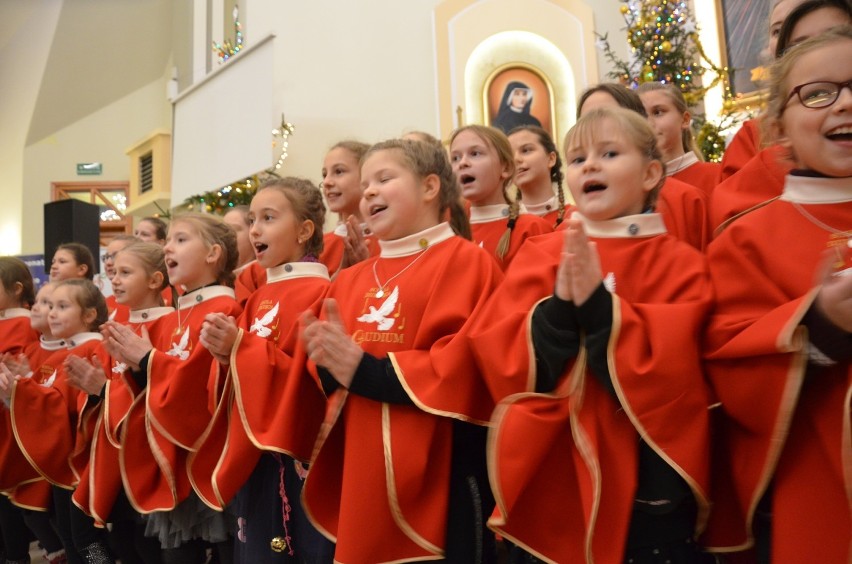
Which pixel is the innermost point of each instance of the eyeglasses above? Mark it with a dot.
(107, 257)
(818, 94)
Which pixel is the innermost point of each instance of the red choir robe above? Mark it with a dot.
(169, 417)
(101, 482)
(270, 402)
(567, 496)
(684, 211)
(17, 476)
(378, 484)
(688, 168)
(333, 247)
(250, 277)
(58, 448)
(742, 148)
(784, 421)
(488, 223)
(117, 312)
(756, 183)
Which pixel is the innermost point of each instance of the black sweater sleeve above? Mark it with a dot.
(595, 320)
(556, 327)
(556, 340)
(141, 377)
(831, 340)
(374, 378)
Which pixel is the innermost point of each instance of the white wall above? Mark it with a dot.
(101, 137)
(24, 57)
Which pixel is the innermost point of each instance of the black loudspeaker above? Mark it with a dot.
(71, 221)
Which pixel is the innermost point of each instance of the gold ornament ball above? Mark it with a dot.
(624, 9)
(727, 104)
(278, 544)
(666, 46)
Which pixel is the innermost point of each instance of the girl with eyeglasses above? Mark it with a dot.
(779, 344)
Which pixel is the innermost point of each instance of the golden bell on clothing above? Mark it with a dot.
(278, 544)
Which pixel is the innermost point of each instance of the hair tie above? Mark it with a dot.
(512, 222)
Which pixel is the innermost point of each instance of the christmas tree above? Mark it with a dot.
(664, 47)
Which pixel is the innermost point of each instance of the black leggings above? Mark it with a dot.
(40, 523)
(16, 536)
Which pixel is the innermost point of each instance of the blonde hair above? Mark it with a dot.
(500, 143)
(151, 256)
(779, 90)
(88, 296)
(423, 159)
(357, 148)
(307, 203)
(687, 138)
(633, 127)
(214, 231)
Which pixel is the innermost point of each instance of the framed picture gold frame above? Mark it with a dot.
(746, 21)
(538, 107)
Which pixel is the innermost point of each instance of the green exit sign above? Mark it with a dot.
(89, 168)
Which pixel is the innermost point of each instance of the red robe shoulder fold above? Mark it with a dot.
(758, 181)
(169, 417)
(101, 482)
(702, 175)
(487, 232)
(58, 447)
(784, 420)
(18, 478)
(742, 148)
(250, 278)
(567, 496)
(269, 400)
(378, 485)
(683, 208)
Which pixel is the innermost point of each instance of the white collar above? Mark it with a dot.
(417, 242)
(816, 189)
(14, 312)
(149, 314)
(686, 160)
(342, 231)
(629, 226)
(483, 214)
(52, 344)
(203, 294)
(292, 270)
(80, 338)
(543, 208)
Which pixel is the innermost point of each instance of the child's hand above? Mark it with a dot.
(355, 247)
(583, 262)
(7, 380)
(89, 377)
(562, 288)
(17, 365)
(835, 298)
(329, 345)
(218, 334)
(125, 345)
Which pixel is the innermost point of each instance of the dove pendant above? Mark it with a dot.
(380, 293)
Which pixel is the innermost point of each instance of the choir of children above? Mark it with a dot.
(563, 383)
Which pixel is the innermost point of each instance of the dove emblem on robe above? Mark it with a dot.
(49, 382)
(260, 325)
(179, 349)
(380, 316)
(609, 282)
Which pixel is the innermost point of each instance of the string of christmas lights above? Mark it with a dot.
(226, 50)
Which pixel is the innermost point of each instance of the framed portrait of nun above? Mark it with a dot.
(518, 94)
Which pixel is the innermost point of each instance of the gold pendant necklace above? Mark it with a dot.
(380, 293)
